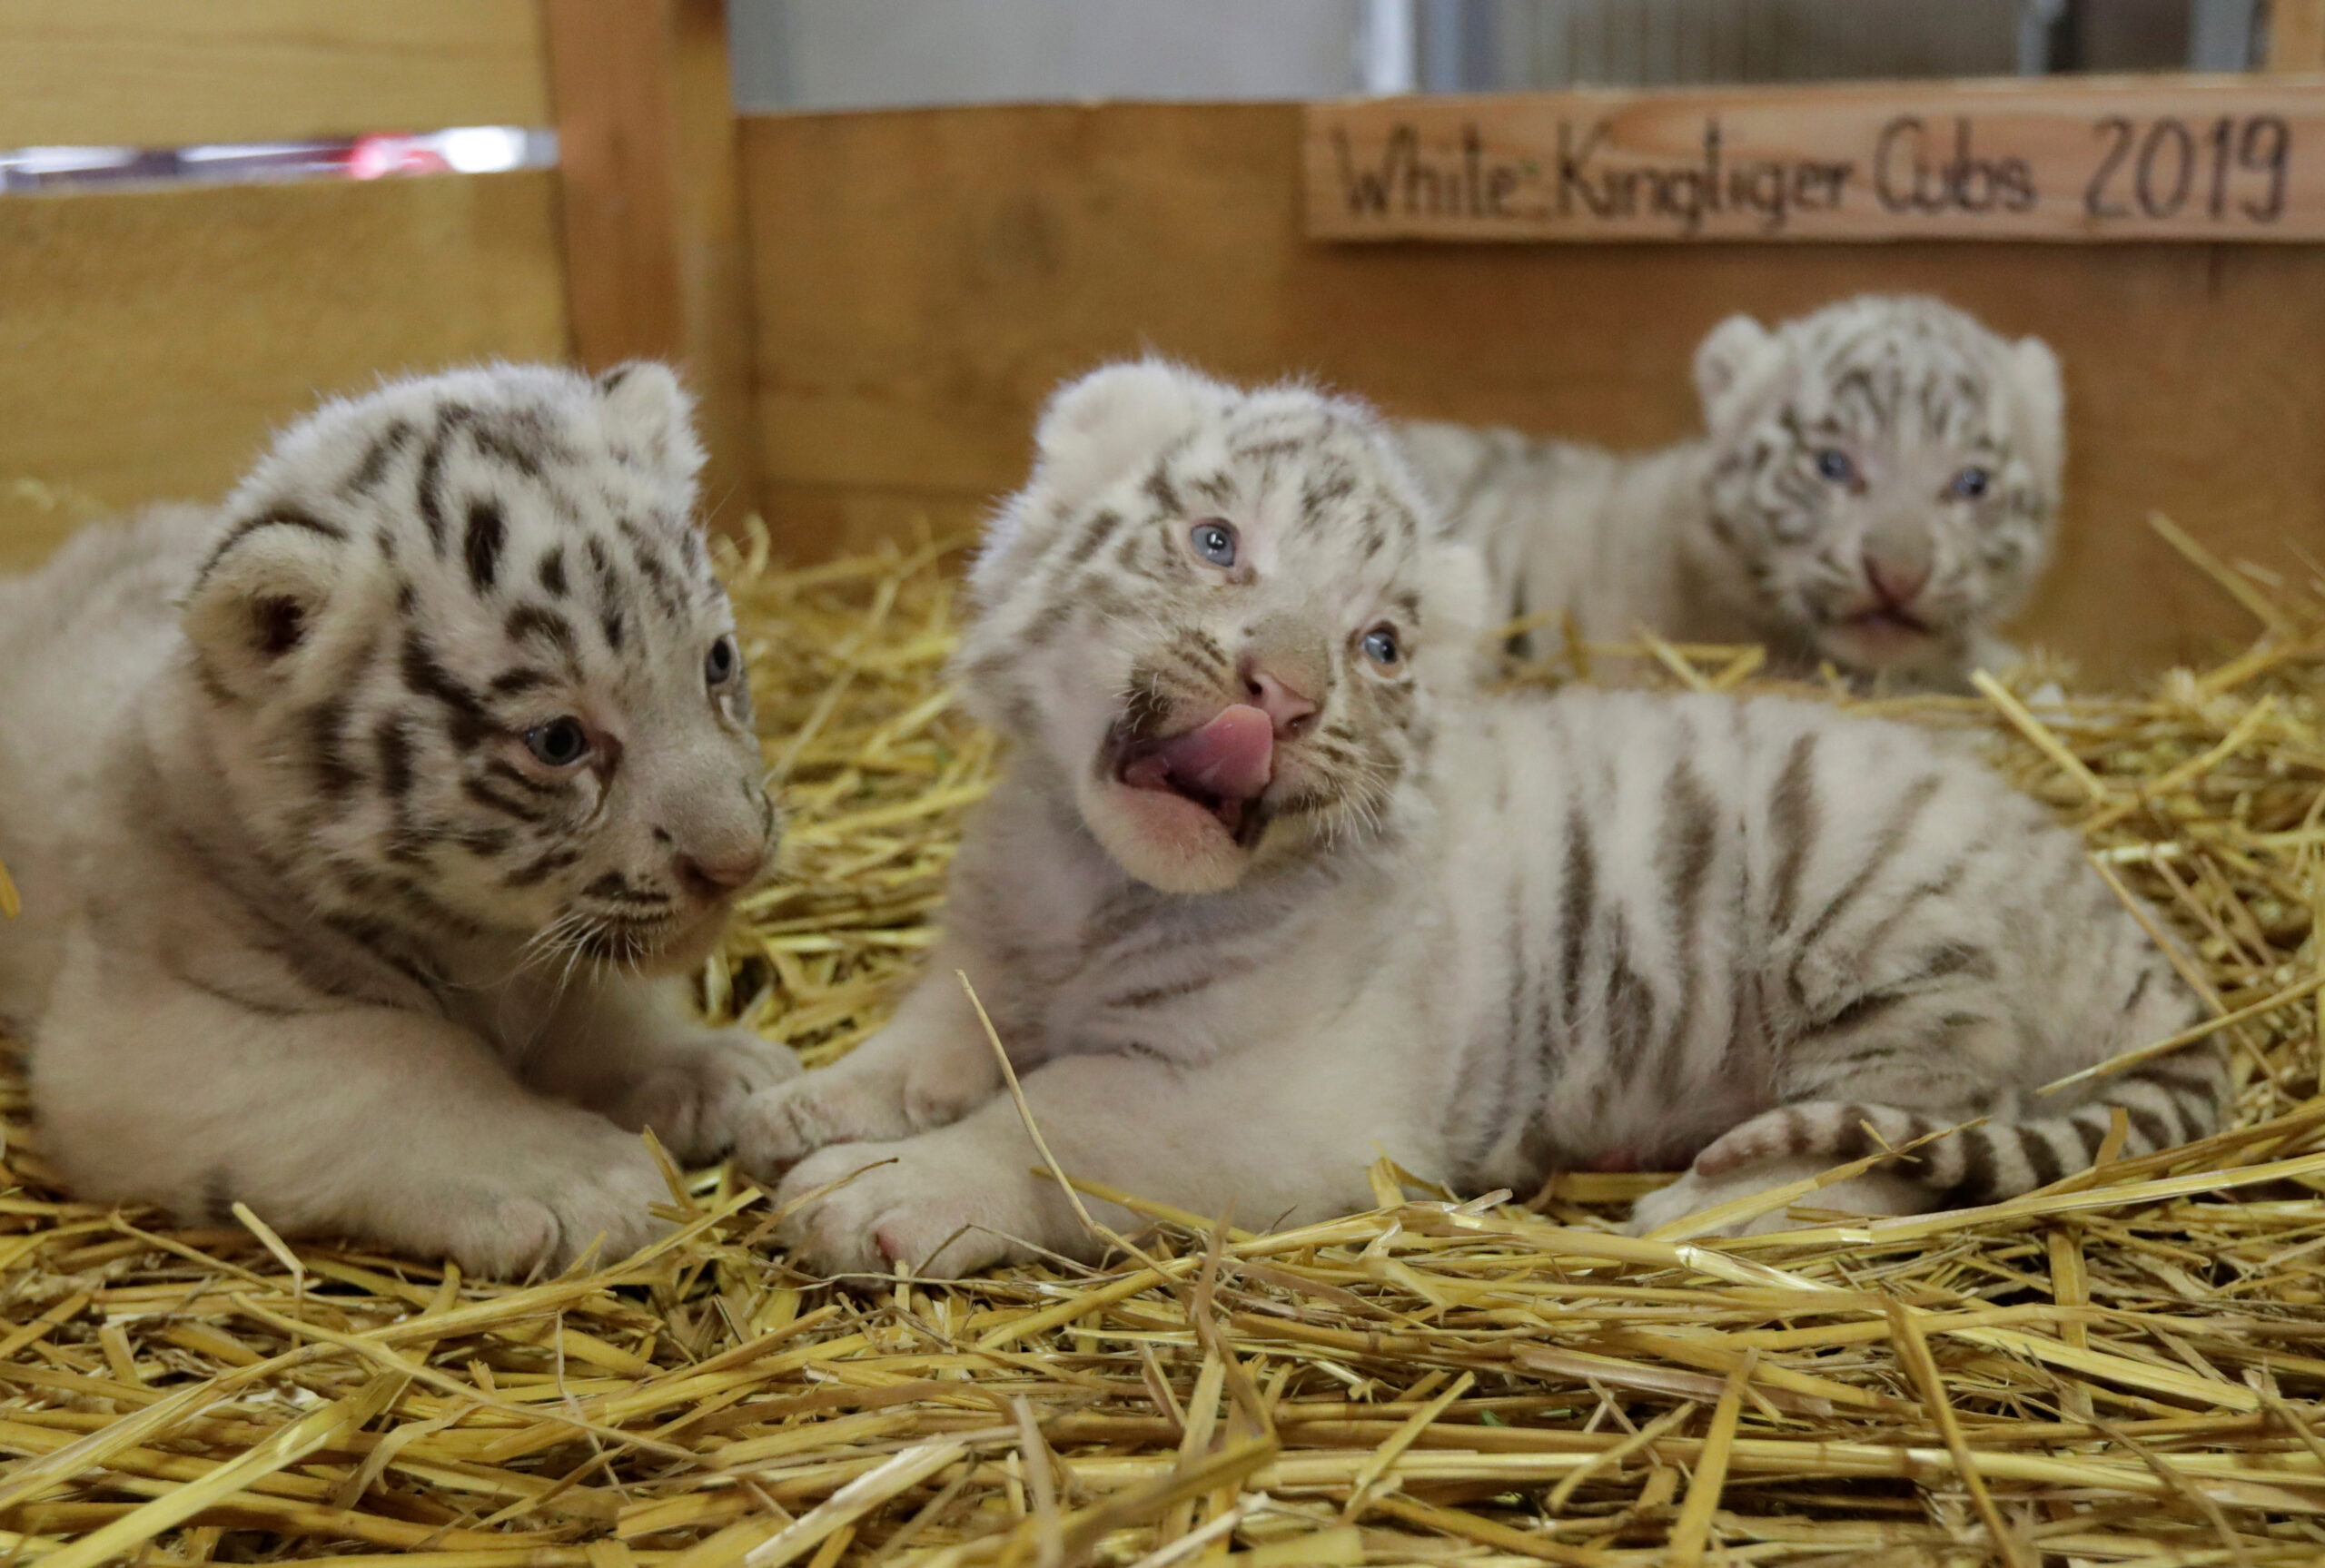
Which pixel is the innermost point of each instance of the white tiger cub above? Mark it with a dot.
(1272, 885)
(339, 885)
(1875, 486)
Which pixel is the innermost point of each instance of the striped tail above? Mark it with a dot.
(2167, 1101)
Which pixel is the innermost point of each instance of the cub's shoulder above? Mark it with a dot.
(127, 573)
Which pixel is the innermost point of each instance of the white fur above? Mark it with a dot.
(209, 1021)
(1529, 933)
(1732, 538)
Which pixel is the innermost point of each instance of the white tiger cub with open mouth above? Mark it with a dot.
(1876, 487)
(344, 883)
(1272, 885)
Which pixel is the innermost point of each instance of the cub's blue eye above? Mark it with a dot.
(1970, 483)
(1215, 541)
(718, 666)
(1833, 464)
(1380, 646)
(558, 744)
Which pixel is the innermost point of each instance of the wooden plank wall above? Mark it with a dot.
(166, 73)
(921, 281)
(156, 337)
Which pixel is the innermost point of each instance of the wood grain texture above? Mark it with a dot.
(166, 72)
(2297, 34)
(654, 264)
(155, 338)
(2098, 159)
(923, 280)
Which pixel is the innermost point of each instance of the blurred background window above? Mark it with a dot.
(890, 53)
(832, 55)
(463, 150)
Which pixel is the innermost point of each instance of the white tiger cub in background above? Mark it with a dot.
(337, 885)
(1875, 486)
(1270, 886)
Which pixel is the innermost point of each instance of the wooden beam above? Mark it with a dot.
(2297, 34)
(653, 236)
(166, 74)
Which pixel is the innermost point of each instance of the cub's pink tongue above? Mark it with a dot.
(1231, 757)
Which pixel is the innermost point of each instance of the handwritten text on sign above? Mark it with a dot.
(2158, 159)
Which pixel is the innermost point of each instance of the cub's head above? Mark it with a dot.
(471, 676)
(1222, 619)
(1885, 475)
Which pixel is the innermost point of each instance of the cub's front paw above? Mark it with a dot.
(542, 1211)
(888, 1088)
(940, 1215)
(695, 1092)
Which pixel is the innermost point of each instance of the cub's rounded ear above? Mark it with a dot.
(1097, 429)
(254, 606)
(645, 407)
(1733, 362)
(2042, 401)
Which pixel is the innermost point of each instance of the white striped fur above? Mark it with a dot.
(1529, 933)
(308, 924)
(1823, 512)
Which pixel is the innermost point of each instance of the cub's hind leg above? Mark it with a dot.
(1872, 1192)
(349, 1119)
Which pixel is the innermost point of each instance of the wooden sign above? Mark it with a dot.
(2147, 158)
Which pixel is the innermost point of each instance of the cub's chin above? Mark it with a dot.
(1169, 841)
(686, 949)
(672, 945)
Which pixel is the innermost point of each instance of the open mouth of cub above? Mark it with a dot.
(1886, 621)
(1225, 766)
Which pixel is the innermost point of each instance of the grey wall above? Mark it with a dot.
(885, 54)
(865, 53)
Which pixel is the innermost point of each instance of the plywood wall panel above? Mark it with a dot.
(150, 340)
(170, 73)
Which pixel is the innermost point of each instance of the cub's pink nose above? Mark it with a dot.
(709, 878)
(1286, 705)
(1898, 582)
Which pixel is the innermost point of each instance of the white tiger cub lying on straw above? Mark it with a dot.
(1270, 886)
(336, 886)
(1876, 487)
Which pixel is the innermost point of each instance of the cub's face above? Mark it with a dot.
(473, 674)
(1885, 474)
(1222, 619)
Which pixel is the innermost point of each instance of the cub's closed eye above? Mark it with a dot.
(1836, 465)
(1970, 483)
(719, 665)
(558, 744)
(1215, 541)
(1382, 648)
